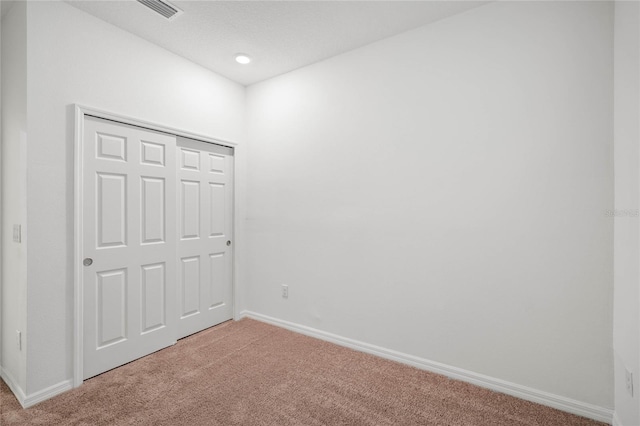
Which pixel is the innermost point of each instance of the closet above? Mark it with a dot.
(157, 222)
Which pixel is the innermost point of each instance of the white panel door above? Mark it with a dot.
(205, 213)
(129, 244)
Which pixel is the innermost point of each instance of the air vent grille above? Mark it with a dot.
(161, 7)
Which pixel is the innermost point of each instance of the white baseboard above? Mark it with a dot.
(615, 421)
(523, 392)
(13, 385)
(31, 400)
(47, 393)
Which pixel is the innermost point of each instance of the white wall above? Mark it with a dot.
(443, 193)
(1, 223)
(626, 331)
(13, 310)
(76, 58)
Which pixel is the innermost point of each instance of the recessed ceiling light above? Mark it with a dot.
(243, 59)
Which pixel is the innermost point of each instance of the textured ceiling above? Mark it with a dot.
(280, 36)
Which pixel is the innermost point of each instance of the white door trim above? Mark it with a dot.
(80, 113)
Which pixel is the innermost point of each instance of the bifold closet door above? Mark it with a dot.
(205, 246)
(129, 244)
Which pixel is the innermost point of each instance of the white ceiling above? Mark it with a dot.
(280, 36)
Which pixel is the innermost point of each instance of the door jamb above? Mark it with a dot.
(81, 112)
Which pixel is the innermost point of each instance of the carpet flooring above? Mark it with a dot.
(251, 373)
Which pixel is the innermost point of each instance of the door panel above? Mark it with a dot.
(190, 212)
(190, 159)
(154, 289)
(190, 284)
(111, 147)
(205, 215)
(153, 209)
(217, 208)
(217, 279)
(130, 234)
(111, 216)
(111, 291)
(152, 153)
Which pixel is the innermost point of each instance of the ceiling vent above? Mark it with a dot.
(161, 7)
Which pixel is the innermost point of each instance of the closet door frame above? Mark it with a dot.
(80, 113)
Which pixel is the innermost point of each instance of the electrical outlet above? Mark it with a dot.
(19, 339)
(285, 291)
(17, 233)
(629, 381)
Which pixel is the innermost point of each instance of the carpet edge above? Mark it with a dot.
(519, 391)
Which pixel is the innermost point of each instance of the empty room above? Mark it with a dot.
(320, 212)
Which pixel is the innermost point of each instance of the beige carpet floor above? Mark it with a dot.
(250, 373)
